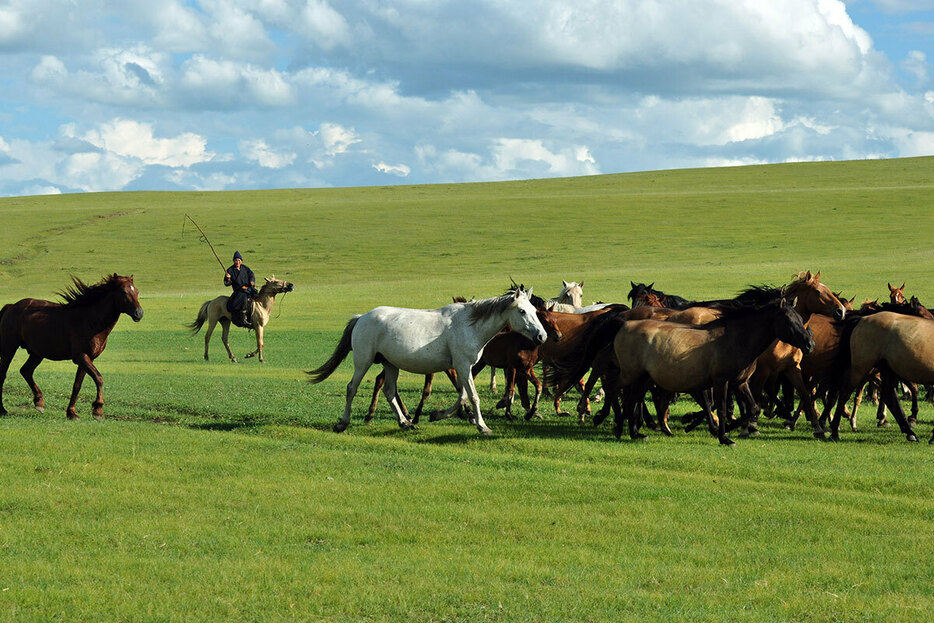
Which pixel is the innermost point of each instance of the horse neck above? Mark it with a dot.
(99, 317)
(488, 327)
(750, 335)
(266, 300)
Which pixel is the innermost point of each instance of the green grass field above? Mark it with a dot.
(216, 491)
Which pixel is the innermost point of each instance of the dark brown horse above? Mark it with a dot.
(76, 329)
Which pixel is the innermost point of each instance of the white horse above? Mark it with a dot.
(215, 311)
(426, 341)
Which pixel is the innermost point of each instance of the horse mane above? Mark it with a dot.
(738, 309)
(486, 308)
(81, 294)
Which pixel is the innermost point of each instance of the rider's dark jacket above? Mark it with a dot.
(240, 280)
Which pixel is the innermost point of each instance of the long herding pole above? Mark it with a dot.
(205, 237)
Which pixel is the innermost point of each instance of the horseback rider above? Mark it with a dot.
(241, 279)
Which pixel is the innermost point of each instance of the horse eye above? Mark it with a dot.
(522, 311)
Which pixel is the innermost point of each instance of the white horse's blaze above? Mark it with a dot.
(427, 341)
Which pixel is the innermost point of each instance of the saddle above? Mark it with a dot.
(243, 317)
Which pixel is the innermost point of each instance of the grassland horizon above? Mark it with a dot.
(216, 491)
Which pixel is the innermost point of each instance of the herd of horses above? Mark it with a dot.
(733, 356)
(729, 355)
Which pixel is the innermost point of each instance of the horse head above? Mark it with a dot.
(789, 327)
(572, 293)
(127, 296)
(896, 295)
(521, 315)
(813, 297)
(275, 286)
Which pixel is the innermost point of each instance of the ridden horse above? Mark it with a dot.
(215, 311)
(76, 329)
(900, 346)
(426, 341)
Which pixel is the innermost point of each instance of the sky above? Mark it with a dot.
(111, 95)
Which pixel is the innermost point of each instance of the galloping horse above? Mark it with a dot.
(215, 311)
(690, 359)
(76, 329)
(900, 346)
(427, 341)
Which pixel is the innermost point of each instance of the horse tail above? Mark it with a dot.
(563, 373)
(200, 320)
(340, 353)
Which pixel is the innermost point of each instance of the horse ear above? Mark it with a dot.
(633, 285)
(817, 276)
(581, 284)
(794, 303)
(267, 279)
(529, 293)
(891, 287)
(651, 285)
(565, 283)
(903, 287)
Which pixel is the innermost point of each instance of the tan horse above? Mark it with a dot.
(901, 347)
(215, 311)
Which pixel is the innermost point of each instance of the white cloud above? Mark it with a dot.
(400, 170)
(325, 26)
(229, 84)
(258, 151)
(134, 139)
(511, 154)
(337, 139)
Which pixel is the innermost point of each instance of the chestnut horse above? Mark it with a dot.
(76, 329)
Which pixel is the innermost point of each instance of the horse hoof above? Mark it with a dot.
(340, 427)
(485, 430)
(503, 402)
(668, 432)
(38, 408)
(4, 412)
(931, 442)
(406, 426)
(618, 432)
(834, 438)
(912, 437)
(819, 434)
(562, 414)
(638, 436)
(434, 416)
(726, 441)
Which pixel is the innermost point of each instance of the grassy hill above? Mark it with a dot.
(216, 491)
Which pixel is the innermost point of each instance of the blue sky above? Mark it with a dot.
(99, 95)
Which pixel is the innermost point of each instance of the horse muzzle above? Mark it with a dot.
(839, 313)
(137, 314)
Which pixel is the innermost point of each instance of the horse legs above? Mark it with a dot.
(360, 368)
(225, 331)
(377, 385)
(5, 361)
(468, 393)
(533, 408)
(661, 398)
(390, 390)
(913, 390)
(492, 380)
(426, 392)
(722, 413)
(97, 407)
(27, 370)
(889, 393)
(259, 345)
